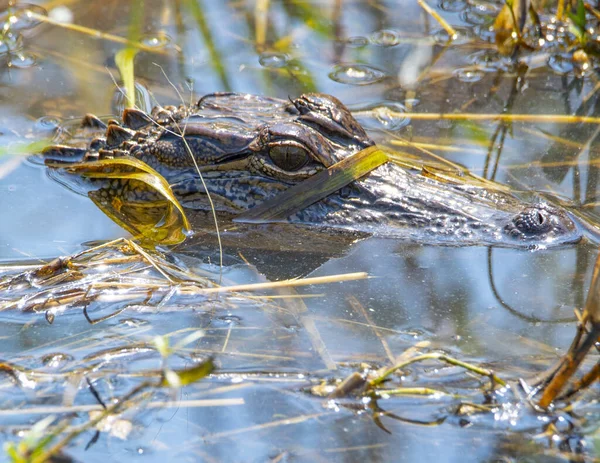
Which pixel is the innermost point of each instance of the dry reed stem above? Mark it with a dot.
(51, 410)
(542, 118)
(442, 22)
(96, 33)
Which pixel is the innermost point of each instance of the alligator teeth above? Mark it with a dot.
(92, 122)
(135, 119)
(115, 135)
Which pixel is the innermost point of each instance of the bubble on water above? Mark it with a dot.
(273, 60)
(157, 40)
(22, 60)
(381, 116)
(468, 74)
(56, 360)
(227, 320)
(461, 36)
(453, 6)
(561, 63)
(21, 17)
(385, 38)
(47, 125)
(357, 41)
(476, 17)
(356, 74)
(491, 61)
(133, 322)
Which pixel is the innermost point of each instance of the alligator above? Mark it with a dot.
(250, 148)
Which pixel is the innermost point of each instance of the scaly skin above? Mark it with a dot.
(249, 148)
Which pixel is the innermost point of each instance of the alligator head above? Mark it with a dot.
(249, 148)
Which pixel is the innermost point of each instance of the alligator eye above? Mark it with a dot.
(288, 157)
(532, 221)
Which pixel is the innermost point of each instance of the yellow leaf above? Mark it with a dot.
(136, 197)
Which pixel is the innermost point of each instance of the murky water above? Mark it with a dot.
(509, 309)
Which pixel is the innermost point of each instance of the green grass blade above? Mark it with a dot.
(316, 188)
(124, 60)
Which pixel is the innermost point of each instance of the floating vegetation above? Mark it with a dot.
(466, 399)
(110, 278)
(133, 347)
(48, 437)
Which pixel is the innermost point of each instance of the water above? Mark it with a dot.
(509, 309)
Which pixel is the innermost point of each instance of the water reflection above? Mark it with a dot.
(504, 307)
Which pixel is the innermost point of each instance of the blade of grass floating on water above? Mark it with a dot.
(375, 382)
(169, 230)
(24, 148)
(192, 374)
(441, 170)
(277, 284)
(316, 187)
(540, 118)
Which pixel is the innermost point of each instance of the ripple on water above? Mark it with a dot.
(56, 360)
(477, 16)
(22, 60)
(491, 61)
(356, 74)
(385, 38)
(19, 17)
(226, 321)
(273, 60)
(47, 126)
(156, 40)
(463, 35)
(469, 75)
(561, 63)
(382, 116)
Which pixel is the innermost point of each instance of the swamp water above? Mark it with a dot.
(510, 310)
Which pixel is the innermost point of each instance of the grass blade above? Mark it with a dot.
(316, 187)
